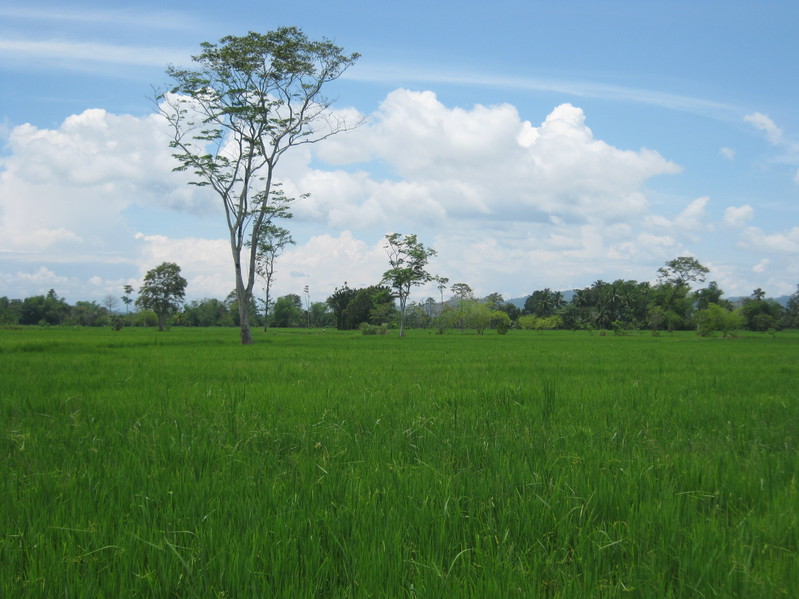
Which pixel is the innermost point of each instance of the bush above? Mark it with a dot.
(717, 318)
(371, 329)
(145, 318)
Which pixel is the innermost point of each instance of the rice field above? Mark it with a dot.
(333, 464)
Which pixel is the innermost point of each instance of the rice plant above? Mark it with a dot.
(327, 464)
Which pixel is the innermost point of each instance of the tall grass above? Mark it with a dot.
(315, 464)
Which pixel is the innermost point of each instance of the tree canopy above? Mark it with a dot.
(163, 291)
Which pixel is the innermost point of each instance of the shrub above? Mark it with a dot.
(371, 329)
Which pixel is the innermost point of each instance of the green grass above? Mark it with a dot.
(145, 464)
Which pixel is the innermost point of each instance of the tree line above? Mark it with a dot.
(622, 305)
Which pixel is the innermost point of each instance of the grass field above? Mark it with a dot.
(311, 464)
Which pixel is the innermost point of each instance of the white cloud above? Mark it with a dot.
(691, 219)
(326, 261)
(764, 123)
(728, 153)
(205, 263)
(148, 18)
(761, 266)
(72, 54)
(737, 216)
(786, 242)
(36, 279)
(488, 162)
(69, 187)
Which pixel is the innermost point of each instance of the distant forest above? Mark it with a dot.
(619, 306)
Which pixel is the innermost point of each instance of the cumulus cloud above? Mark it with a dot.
(67, 189)
(489, 163)
(737, 216)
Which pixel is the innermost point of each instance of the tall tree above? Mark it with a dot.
(249, 100)
(441, 285)
(408, 258)
(163, 291)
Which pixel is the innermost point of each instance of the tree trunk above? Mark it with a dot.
(244, 304)
(244, 322)
(266, 308)
(402, 317)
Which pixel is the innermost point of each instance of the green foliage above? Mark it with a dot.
(288, 311)
(43, 309)
(602, 304)
(500, 321)
(535, 323)
(372, 329)
(345, 465)
(208, 312)
(162, 292)
(718, 318)
(144, 318)
(543, 303)
(761, 314)
(339, 301)
(88, 314)
(790, 318)
(372, 305)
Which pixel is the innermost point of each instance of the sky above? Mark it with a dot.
(531, 144)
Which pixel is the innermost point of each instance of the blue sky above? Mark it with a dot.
(532, 144)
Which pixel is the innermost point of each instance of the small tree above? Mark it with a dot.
(272, 240)
(162, 292)
(127, 299)
(232, 118)
(307, 292)
(110, 302)
(408, 258)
